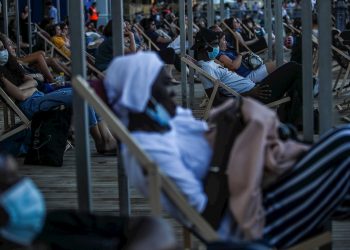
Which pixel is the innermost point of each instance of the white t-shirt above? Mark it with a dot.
(231, 79)
(183, 154)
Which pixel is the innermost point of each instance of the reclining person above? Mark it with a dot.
(312, 183)
(23, 222)
(23, 89)
(233, 61)
(287, 79)
(38, 61)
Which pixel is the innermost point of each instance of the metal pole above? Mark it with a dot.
(325, 66)
(30, 26)
(308, 121)
(118, 50)
(190, 43)
(209, 12)
(268, 25)
(279, 32)
(82, 151)
(18, 31)
(6, 18)
(68, 9)
(222, 10)
(58, 3)
(183, 52)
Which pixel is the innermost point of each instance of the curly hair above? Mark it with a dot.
(12, 70)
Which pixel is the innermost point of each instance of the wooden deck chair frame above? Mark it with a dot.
(12, 106)
(150, 42)
(158, 181)
(177, 27)
(217, 84)
(238, 41)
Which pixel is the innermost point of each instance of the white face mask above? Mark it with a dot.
(25, 207)
(4, 57)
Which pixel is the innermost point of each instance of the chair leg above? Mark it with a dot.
(187, 239)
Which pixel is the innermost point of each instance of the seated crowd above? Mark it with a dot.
(277, 189)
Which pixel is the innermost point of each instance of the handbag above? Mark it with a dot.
(252, 61)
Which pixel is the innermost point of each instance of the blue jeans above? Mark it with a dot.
(43, 102)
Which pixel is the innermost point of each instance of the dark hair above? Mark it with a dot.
(48, 3)
(52, 29)
(146, 23)
(107, 31)
(12, 70)
(229, 22)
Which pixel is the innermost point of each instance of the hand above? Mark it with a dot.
(129, 33)
(262, 92)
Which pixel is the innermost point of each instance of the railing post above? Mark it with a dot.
(279, 32)
(6, 18)
(190, 43)
(183, 52)
(83, 164)
(118, 50)
(308, 121)
(325, 66)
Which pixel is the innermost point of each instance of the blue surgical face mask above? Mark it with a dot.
(212, 55)
(4, 57)
(159, 114)
(25, 207)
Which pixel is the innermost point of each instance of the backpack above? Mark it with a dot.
(49, 137)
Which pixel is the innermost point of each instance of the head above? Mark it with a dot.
(236, 24)
(107, 31)
(55, 30)
(22, 207)
(151, 107)
(64, 29)
(148, 24)
(94, 4)
(4, 54)
(206, 44)
(48, 3)
(26, 9)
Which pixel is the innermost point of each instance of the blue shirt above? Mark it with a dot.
(227, 77)
(242, 70)
(53, 14)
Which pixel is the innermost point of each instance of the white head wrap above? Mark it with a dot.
(129, 80)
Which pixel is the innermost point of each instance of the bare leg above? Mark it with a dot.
(38, 60)
(270, 66)
(109, 142)
(57, 67)
(96, 135)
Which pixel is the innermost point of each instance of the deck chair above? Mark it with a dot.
(9, 104)
(238, 41)
(214, 96)
(159, 182)
(151, 44)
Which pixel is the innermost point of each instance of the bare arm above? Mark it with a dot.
(163, 40)
(13, 91)
(232, 65)
(132, 47)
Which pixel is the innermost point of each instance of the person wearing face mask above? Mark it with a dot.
(287, 79)
(312, 186)
(22, 207)
(23, 89)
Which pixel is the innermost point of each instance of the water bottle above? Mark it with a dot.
(61, 80)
